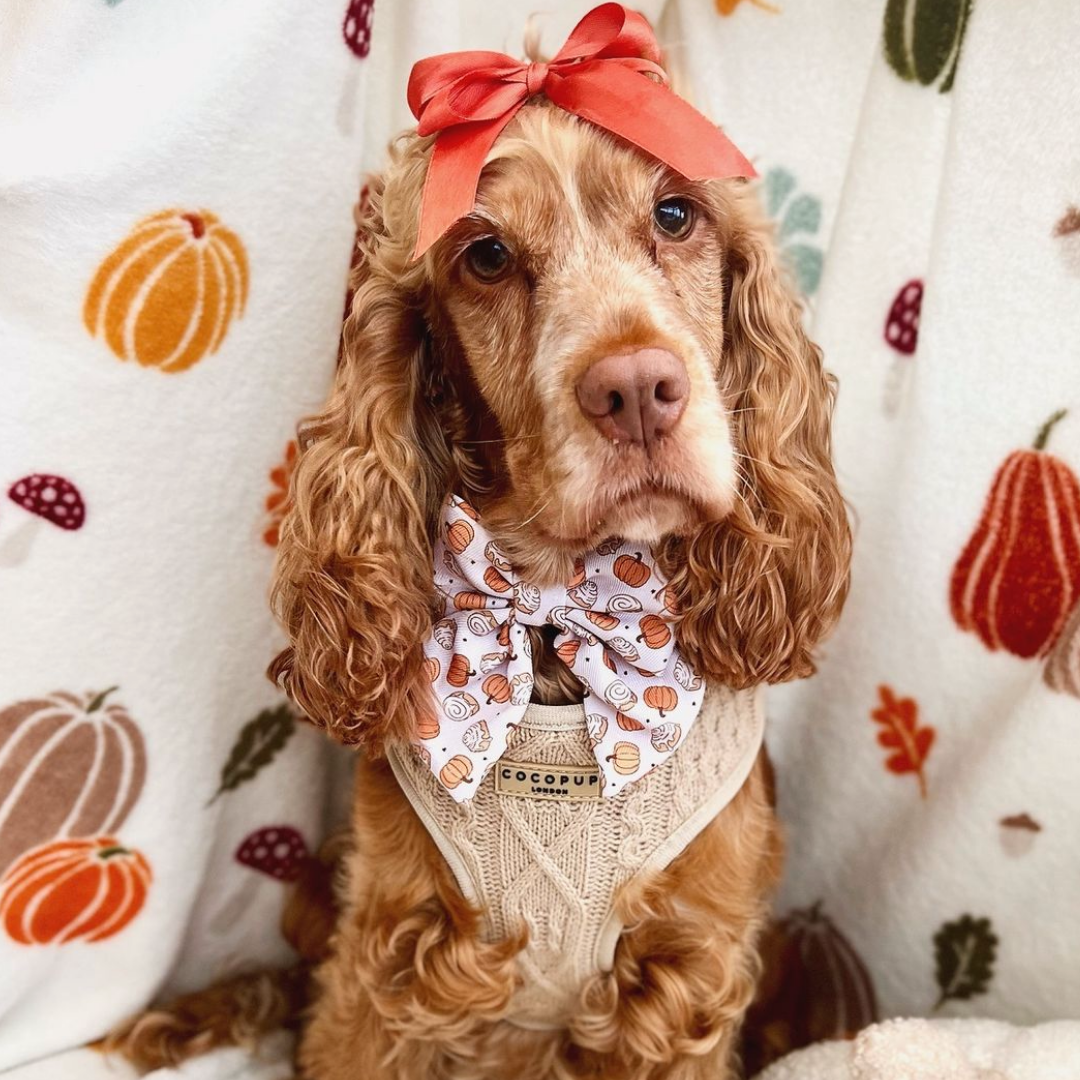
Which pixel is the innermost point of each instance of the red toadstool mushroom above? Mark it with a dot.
(50, 497)
(277, 850)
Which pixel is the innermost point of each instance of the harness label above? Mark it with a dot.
(528, 780)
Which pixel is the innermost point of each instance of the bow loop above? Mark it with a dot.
(467, 98)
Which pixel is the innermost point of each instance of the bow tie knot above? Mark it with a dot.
(535, 76)
(613, 621)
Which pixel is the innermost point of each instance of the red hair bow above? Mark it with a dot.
(469, 97)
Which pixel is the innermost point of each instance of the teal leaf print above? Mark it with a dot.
(258, 743)
(779, 184)
(803, 215)
(797, 215)
(964, 951)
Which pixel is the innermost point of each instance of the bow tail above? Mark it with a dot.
(453, 176)
(650, 116)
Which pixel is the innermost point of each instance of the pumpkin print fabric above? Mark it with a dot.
(167, 294)
(615, 635)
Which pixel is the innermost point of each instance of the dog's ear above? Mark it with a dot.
(353, 580)
(758, 590)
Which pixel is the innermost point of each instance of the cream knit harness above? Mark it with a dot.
(556, 866)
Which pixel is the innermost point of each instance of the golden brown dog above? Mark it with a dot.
(601, 348)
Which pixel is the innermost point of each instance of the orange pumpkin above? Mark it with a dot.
(1019, 575)
(468, 508)
(497, 688)
(70, 890)
(626, 758)
(628, 723)
(671, 601)
(428, 727)
(631, 570)
(70, 765)
(167, 294)
(654, 631)
(459, 673)
(578, 576)
(602, 619)
(661, 698)
(458, 770)
(469, 601)
(459, 535)
(609, 662)
(431, 668)
(568, 650)
(495, 581)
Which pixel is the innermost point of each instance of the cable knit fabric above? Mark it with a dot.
(556, 866)
(613, 617)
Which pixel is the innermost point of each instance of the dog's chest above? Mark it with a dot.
(538, 848)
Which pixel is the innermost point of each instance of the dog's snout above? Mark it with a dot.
(635, 397)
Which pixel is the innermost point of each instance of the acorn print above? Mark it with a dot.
(654, 631)
(166, 296)
(625, 757)
(1018, 578)
(923, 40)
(631, 570)
(1017, 834)
(460, 706)
(596, 725)
(521, 686)
(51, 501)
(73, 890)
(1062, 671)
(497, 689)
(458, 770)
(1067, 233)
(622, 602)
(665, 737)
(661, 698)
(459, 535)
(459, 673)
(279, 851)
(628, 723)
(356, 29)
(477, 738)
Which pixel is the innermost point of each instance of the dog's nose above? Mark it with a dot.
(636, 397)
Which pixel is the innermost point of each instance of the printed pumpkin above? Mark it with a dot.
(70, 765)
(167, 294)
(1018, 578)
(73, 890)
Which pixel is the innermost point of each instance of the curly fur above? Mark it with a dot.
(446, 385)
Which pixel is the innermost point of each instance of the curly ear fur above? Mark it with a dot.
(352, 584)
(757, 591)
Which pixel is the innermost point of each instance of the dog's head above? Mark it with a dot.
(601, 348)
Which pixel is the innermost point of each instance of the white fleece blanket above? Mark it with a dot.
(151, 373)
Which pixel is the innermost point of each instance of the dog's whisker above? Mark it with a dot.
(488, 442)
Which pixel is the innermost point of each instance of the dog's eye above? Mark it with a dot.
(674, 217)
(488, 259)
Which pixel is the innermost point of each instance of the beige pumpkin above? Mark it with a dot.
(661, 698)
(70, 765)
(625, 757)
(168, 292)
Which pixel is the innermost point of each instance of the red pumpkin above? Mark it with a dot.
(70, 765)
(1019, 576)
(69, 890)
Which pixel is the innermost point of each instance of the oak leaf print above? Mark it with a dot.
(901, 734)
(256, 746)
(964, 953)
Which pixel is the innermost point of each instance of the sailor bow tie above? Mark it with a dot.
(615, 635)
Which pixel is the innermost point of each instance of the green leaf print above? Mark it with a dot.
(798, 215)
(965, 951)
(922, 39)
(256, 746)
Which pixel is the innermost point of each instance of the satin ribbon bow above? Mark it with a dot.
(467, 98)
(614, 634)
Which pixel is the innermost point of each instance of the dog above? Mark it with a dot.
(600, 349)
